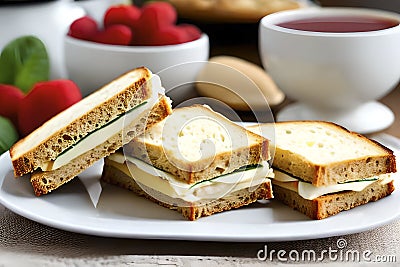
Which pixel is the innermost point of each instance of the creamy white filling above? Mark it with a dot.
(103, 134)
(167, 184)
(309, 191)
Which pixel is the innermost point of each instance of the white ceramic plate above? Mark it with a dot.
(120, 213)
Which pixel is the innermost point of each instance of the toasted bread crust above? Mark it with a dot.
(45, 182)
(333, 172)
(331, 204)
(255, 151)
(191, 211)
(133, 94)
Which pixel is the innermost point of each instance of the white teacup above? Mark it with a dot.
(333, 76)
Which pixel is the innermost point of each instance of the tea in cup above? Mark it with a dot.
(335, 63)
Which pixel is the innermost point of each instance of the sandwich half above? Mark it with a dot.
(196, 162)
(322, 169)
(90, 130)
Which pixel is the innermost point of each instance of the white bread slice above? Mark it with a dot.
(324, 153)
(195, 143)
(191, 211)
(73, 124)
(331, 204)
(44, 182)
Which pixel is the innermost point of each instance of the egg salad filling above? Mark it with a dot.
(309, 191)
(112, 128)
(168, 184)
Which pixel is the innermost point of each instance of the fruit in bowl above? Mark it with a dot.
(152, 25)
(98, 52)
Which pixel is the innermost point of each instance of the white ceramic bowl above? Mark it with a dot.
(333, 76)
(92, 65)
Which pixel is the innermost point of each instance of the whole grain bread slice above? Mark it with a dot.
(331, 204)
(325, 153)
(44, 182)
(191, 211)
(70, 126)
(196, 143)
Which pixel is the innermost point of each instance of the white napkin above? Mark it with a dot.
(91, 180)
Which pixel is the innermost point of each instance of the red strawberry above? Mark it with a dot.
(10, 98)
(45, 100)
(193, 32)
(154, 16)
(115, 35)
(171, 35)
(84, 28)
(127, 15)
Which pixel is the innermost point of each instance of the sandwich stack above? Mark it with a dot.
(196, 162)
(322, 169)
(90, 130)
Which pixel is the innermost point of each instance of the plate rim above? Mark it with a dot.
(222, 236)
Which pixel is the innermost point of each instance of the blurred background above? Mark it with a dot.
(391, 5)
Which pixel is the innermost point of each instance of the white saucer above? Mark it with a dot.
(367, 118)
